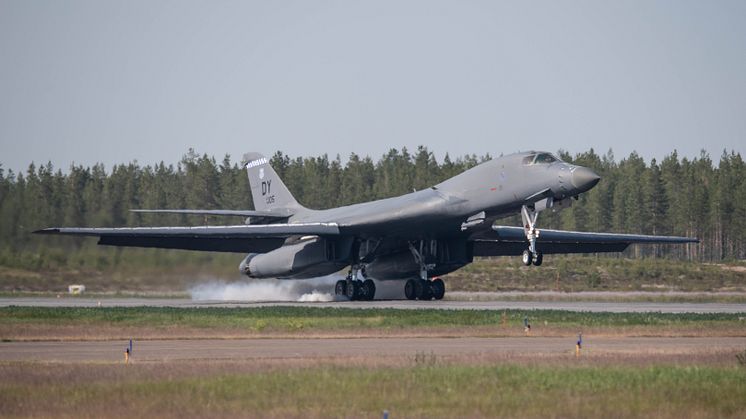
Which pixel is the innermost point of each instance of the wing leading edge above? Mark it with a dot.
(236, 238)
(511, 241)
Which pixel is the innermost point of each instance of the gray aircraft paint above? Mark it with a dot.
(497, 187)
(421, 234)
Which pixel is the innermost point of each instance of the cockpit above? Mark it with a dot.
(539, 158)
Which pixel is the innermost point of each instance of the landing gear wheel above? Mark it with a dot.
(438, 288)
(527, 257)
(353, 290)
(410, 288)
(538, 258)
(341, 287)
(418, 286)
(370, 289)
(423, 290)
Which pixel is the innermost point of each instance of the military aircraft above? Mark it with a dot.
(413, 238)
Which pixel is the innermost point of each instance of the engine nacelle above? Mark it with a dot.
(306, 259)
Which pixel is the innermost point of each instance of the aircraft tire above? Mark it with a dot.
(341, 287)
(538, 258)
(527, 257)
(410, 288)
(418, 285)
(438, 288)
(370, 289)
(424, 292)
(353, 290)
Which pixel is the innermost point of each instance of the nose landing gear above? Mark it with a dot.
(531, 255)
(529, 258)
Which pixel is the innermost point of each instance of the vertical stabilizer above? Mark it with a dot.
(267, 189)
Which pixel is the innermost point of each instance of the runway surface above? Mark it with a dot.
(605, 306)
(243, 349)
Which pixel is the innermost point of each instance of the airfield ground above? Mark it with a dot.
(365, 388)
(349, 362)
(168, 272)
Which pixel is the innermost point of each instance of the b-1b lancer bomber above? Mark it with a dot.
(413, 238)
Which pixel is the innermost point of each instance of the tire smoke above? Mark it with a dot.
(309, 290)
(306, 290)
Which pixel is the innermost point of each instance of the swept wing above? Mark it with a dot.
(511, 241)
(235, 238)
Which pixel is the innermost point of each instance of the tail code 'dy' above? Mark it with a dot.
(267, 189)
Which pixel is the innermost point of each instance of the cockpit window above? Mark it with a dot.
(545, 158)
(541, 158)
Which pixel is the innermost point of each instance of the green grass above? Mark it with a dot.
(600, 297)
(105, 269)
(569, 273)
(416, 391)
(325, 319)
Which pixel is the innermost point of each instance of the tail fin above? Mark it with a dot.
(267, 189)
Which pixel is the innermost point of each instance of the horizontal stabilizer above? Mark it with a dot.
(236, 213)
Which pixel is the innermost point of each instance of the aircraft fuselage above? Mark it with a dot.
(498, 188)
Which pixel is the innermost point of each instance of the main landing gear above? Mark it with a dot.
(531, 255)
(354, 288)
(422, 289)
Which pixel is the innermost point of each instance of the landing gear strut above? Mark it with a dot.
(531, 255)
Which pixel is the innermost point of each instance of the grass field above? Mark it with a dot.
(426, 390)
(569, 273)
(34, 323)
(591, 296)
(689, 383)
(165, 271)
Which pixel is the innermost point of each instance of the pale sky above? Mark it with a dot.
(102, 81)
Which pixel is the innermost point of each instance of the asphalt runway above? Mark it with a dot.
(589, 306)
(247, 349)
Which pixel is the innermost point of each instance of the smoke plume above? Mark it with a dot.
(305, 290)
(316, 289)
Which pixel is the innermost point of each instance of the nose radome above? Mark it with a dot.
(584, 178)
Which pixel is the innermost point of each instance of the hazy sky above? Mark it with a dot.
(88, 81)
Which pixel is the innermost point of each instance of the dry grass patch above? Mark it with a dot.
(71, 332)
(482, 388)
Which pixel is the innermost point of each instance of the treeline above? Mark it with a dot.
(676, 196)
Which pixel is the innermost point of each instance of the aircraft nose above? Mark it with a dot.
(584, 178)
